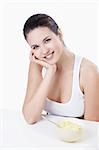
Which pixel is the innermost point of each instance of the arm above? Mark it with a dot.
(37, 91)
(91, 91)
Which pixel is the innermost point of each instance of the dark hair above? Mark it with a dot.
(40, 20)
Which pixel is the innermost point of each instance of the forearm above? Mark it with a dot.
(33, 109)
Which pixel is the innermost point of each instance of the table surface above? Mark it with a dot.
(15, 132)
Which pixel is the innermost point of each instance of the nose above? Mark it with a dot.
(42, 52)
(45, 51)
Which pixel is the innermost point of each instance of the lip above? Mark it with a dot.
(49, 54)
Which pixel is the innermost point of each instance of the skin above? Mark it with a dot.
(43, 42)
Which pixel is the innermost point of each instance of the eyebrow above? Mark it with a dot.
(36, 44)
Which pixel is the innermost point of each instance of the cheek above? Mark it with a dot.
(56, 45)
(57, 50)
(37, 54)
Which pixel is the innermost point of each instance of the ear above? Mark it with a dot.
(60, 34)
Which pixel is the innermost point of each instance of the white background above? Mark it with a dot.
(78, 21)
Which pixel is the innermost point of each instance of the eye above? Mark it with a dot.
(35, 47)
(47, 40)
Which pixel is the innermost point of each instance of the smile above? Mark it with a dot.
(49, 56)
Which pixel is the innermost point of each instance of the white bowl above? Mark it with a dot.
(69, 131)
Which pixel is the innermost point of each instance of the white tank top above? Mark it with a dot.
(75, 106)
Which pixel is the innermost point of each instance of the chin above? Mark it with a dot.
(52, 62)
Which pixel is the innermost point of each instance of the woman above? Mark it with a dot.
(70, 86)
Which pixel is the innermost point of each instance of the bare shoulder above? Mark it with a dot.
(89, 71)
(90, 82)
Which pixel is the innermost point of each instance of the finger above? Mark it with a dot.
(31, 55)
(42, 63)
(33, 58)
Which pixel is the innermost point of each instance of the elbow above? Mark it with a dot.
(28, 118)
(91, 118)
(30, 122)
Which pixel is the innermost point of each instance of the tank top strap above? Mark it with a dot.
(76, 73)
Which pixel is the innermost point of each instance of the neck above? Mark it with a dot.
(66, 61)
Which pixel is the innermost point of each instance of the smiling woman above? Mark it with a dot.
(71, 84)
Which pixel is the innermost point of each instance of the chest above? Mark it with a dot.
(61, 87)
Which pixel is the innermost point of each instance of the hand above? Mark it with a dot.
(49, 67)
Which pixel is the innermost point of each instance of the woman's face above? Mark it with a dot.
(46, 45)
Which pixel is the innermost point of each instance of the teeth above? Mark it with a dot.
(49, 56)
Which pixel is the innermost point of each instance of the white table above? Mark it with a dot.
(16, 133)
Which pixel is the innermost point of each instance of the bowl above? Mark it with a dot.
(69, 131)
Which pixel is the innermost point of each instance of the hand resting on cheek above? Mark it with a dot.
(43, 63)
